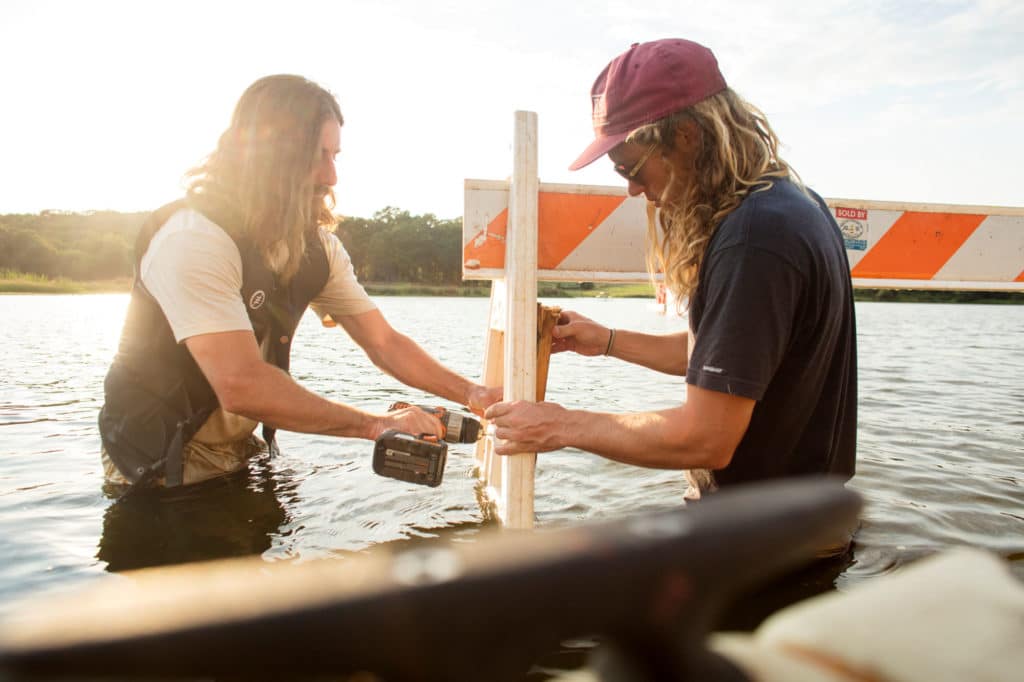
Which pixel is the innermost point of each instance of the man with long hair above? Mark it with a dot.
(223, 278)
(770, 355)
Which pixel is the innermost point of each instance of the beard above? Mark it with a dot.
(321, 203)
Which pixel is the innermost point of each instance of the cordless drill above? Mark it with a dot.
(421, 458)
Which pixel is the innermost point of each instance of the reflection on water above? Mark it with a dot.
(747, 610)
(744, 612)
(233, 516)
(939, 447)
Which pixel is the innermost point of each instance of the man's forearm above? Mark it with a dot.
(413, 366)
(702, 433)
(661, 352)
(648, 439)
(269, 395)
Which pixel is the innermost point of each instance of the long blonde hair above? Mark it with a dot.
(736, 153)
(261, 168)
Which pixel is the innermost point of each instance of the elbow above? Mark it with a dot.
(711, 448)
(378, 359)
(382, 352)
(698, 453)
(717, 457)
(701, 455)
(235, 394)
(716, 461)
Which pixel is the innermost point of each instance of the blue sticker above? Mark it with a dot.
(854, 232)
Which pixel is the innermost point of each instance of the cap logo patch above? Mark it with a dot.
(600, 110)
(257, 299)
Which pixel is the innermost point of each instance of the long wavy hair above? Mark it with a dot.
(736, 153)
(262, 168)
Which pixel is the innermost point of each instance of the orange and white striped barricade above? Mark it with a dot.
(932, 246)
(590, 233)
(585, 233)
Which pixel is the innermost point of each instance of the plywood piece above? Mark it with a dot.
(547, 318)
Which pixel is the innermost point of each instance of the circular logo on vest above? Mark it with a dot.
(257, 299)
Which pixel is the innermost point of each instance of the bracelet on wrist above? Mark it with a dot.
(611, 340)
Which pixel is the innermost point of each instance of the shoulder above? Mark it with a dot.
(189, 241)
(194, 271)
(343, 294)
(328, 239)
(337, 256)
(190, 221)
(187, 224)
(783, 219)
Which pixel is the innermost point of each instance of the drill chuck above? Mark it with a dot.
(458, 427)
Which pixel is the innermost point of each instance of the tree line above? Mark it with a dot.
(392, 246)
(396, 246)
(83, 246)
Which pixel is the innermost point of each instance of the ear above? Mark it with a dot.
(687, 131)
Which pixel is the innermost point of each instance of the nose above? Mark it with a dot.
(327, 173)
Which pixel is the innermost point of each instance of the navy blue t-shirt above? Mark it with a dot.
(773, 320)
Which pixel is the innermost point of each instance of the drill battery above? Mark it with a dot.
(410, 458)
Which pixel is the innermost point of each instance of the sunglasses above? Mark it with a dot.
(629, 174)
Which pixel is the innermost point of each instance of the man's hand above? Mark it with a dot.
(482, 397)
(523, 426)
(666, 353)
(409, 420)
(580, 334)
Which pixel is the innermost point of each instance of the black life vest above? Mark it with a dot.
(155, 396)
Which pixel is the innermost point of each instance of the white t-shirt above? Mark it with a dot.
(194, 271)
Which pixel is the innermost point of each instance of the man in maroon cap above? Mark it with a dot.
(770, 356)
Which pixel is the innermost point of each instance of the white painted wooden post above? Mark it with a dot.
(515, 503)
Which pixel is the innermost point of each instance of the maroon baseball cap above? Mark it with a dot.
(646, 83)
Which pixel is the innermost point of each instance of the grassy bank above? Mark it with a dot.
(413, 289)
(13, 282)
(937, 296)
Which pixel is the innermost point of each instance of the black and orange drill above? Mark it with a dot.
(421, 458)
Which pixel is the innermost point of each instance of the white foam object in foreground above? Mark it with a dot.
(955, 616)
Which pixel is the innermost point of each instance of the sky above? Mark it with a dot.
(104, 105)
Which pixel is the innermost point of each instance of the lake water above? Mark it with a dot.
(941, 444)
